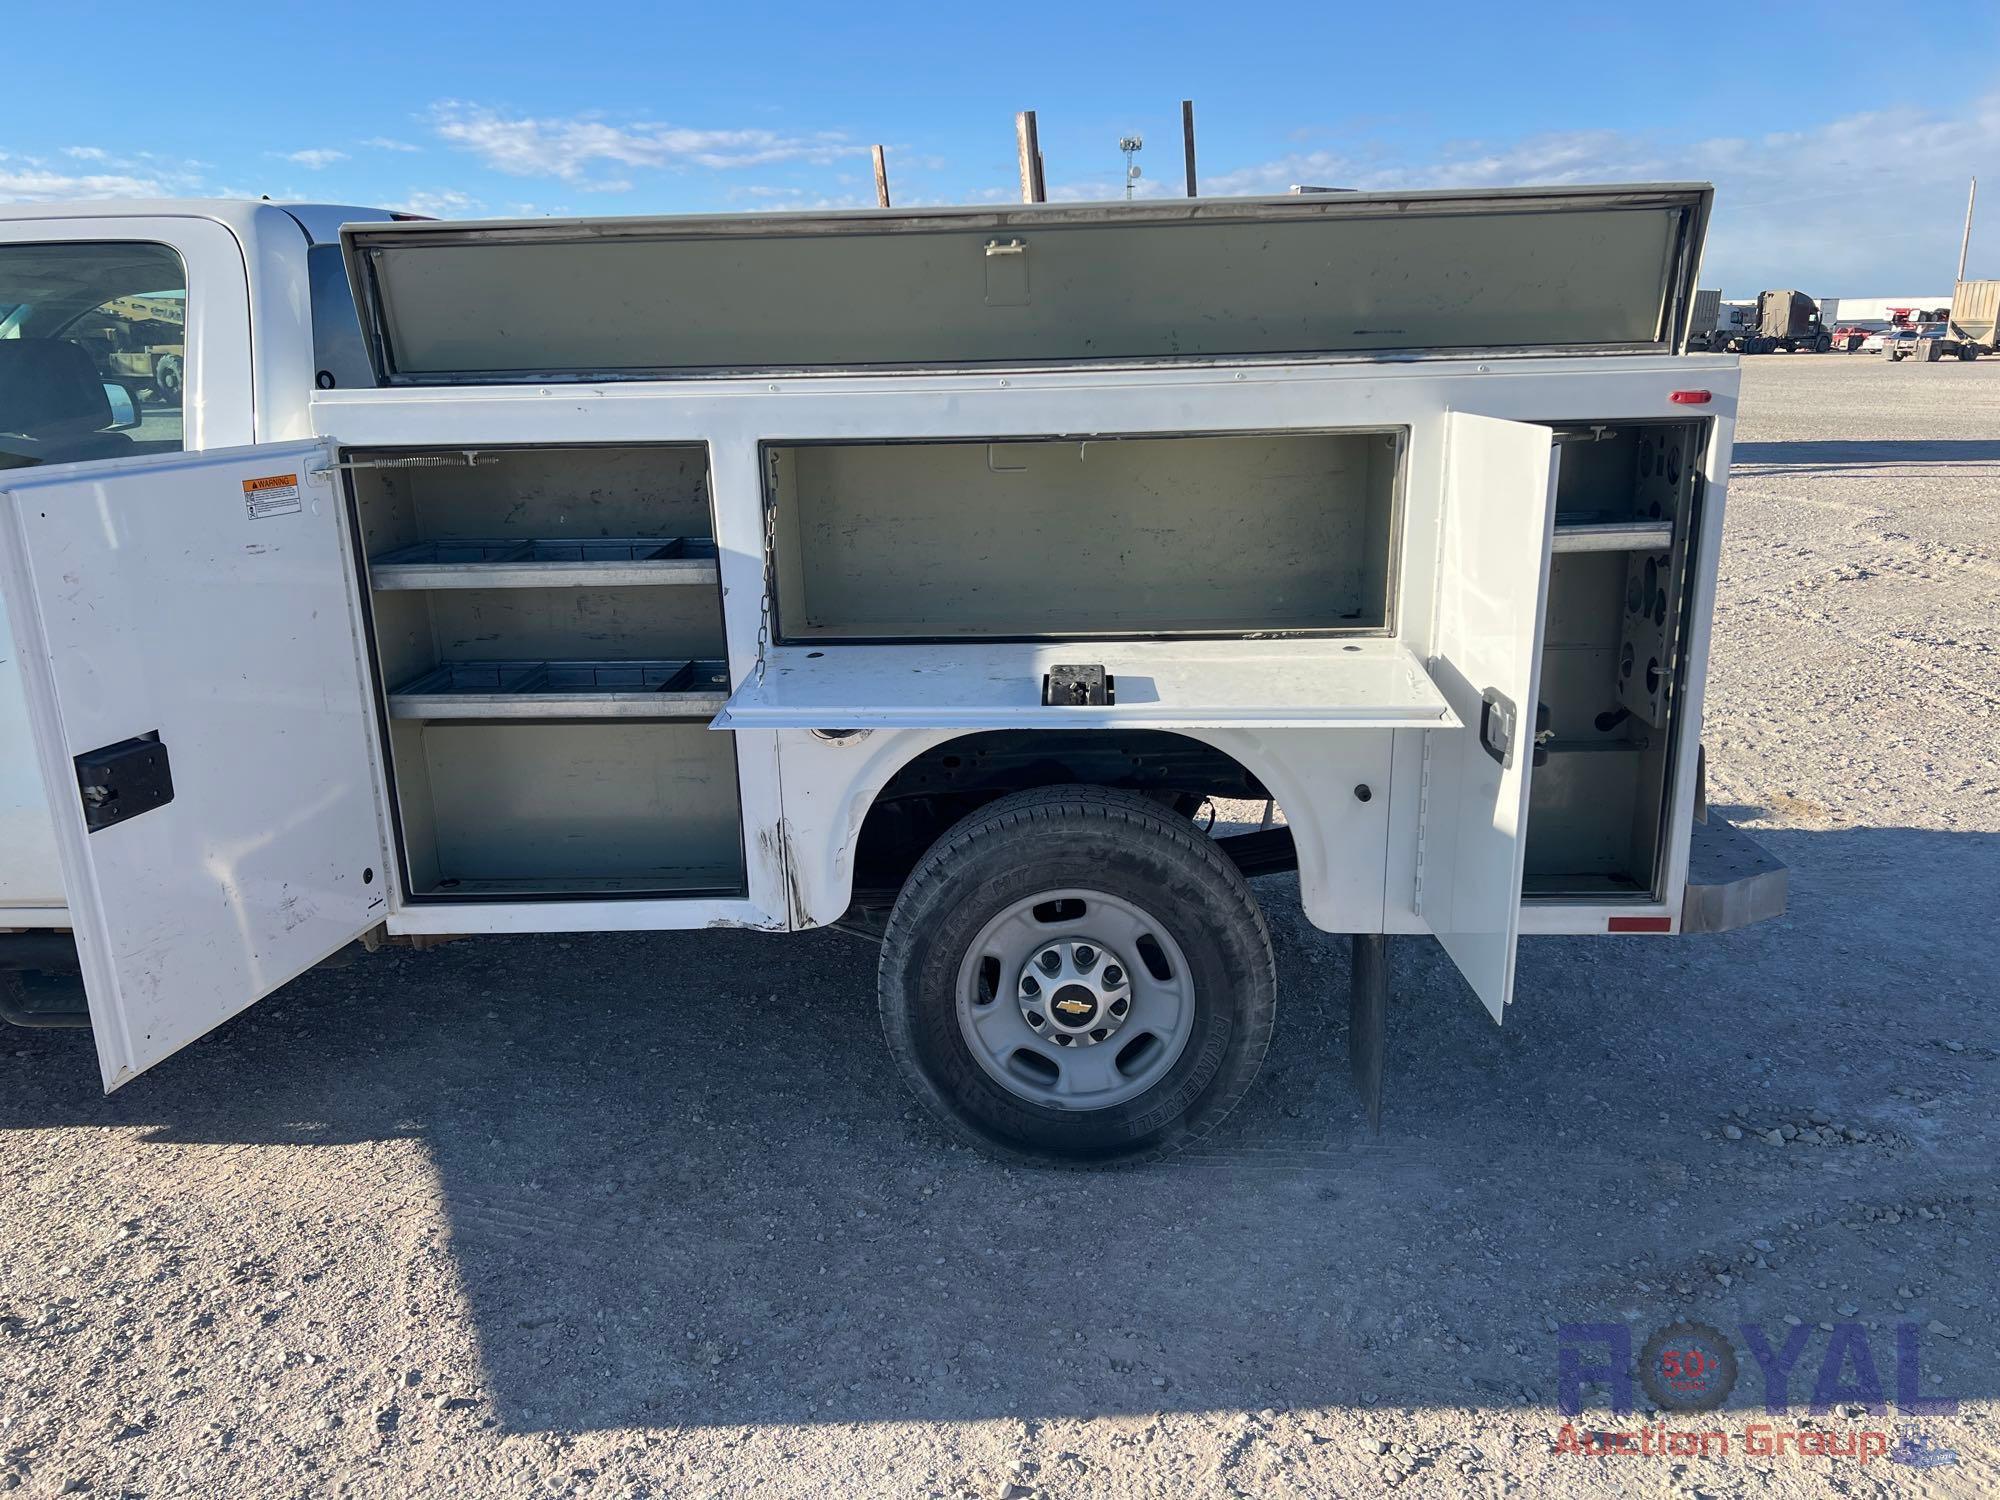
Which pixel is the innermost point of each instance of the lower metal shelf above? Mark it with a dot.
(540, 563)
(670, 689)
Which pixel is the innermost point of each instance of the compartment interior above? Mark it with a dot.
(548, 638)
(1231, 534)
(1627, 510)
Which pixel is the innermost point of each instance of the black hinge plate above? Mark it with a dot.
(123, 780)
(1077, 687)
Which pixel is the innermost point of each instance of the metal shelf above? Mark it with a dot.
(544, 563)
(674, 689)
(1615, 536)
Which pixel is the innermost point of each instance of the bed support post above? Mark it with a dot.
(1368, 1020)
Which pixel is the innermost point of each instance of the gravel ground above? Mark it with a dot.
(651, 1214)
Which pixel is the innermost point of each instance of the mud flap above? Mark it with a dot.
(1368, 1021)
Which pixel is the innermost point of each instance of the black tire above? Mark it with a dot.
(1127, 846)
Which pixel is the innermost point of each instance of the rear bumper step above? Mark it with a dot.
(1732, 880)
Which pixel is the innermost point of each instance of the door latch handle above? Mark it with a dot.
(1499, 725)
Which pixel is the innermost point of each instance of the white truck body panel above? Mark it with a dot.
(1403, 819)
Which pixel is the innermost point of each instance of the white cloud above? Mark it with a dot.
(1873, 197)
(29, 180)
(439, 203)
(87, 153)
(315, 159)
(566, 147)
(792, 200)
(387, 143)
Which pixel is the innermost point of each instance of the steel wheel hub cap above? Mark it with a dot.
(1076, 992)
(1075, 999)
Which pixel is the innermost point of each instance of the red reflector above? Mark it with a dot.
(1690, 398)
(1638, 924)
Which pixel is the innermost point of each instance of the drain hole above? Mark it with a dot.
(989, 981)
(1068, 909)
(1136, 1053)
(1154, 957)
(1034, 1067)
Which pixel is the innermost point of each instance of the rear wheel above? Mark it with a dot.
(1075, 976)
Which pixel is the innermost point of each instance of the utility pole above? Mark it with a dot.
(1965, 240)
(881, 178)
(1187, 140)
(1030, 148)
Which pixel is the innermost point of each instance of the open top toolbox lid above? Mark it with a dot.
(1525, 270)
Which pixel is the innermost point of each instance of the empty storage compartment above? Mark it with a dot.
(537, 557)
(421, 636)
(1627, 510)
(548, 637)
(566, 808)
(1061, 538)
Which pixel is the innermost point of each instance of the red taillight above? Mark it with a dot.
(1638, 924)
(1690, 398)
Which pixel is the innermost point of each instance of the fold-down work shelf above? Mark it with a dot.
(1275, 684)
(559, 562)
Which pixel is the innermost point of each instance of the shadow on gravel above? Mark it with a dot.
(684, 1185)
(1858, 456)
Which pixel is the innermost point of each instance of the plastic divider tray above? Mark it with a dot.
(672, 689)
(550, 562)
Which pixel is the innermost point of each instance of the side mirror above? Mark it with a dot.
(124, 410)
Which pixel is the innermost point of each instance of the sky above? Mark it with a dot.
(1840, 136)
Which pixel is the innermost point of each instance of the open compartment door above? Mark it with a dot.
(1493, 579)
(199, 704)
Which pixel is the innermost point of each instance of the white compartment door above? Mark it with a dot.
(198, 696)
(1493, 579)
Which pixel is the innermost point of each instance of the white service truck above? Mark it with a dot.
(923, 570)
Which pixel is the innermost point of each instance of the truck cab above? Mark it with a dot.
(144, 328)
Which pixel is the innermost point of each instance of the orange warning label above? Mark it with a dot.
(273, 495)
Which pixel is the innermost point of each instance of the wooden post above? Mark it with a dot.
(1187, 140)
(1031, 155)
(881, 179)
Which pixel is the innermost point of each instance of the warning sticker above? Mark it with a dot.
(274, 495)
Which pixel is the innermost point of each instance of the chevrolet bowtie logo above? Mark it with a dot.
(1073, 1007)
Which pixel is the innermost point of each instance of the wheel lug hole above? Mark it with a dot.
(1100, 1034)
(1085, 955)
(1062, 1040)
(1050, 962)
(1119, 1007)
(1113, 975)
(1036, 1018)
(1030, 985)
